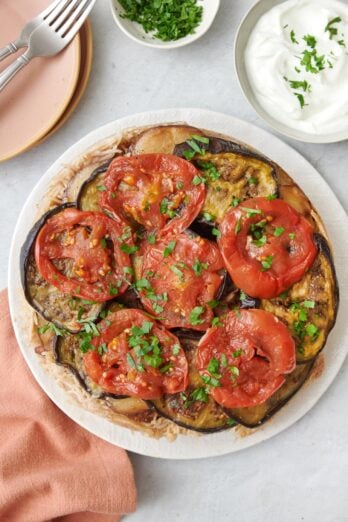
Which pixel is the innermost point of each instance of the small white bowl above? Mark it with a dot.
(246, 26)
(136, 32)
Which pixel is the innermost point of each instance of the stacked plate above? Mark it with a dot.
(42, 96)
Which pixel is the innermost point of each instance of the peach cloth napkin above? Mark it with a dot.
(51, 468)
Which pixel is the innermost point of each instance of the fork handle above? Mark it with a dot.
(7, 75)
(7, 50)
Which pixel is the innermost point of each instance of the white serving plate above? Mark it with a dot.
(333, 355)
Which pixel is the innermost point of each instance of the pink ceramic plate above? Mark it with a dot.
(35, 99)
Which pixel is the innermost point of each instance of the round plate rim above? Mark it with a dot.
(76, 43)
(187, 447)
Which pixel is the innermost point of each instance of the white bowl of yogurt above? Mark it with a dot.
(291, 59)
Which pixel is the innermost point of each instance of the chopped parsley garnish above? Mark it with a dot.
(271, 197)
(310, 40)
(213, 303)
(202, 139)
(293, 37)
(199, 394)
(238, 226)
(252, 181)
(237, 353)
(169, 248)
(102, 348)
(333, 30)
(131, 361)
(166, 208)
(210, 173)
(176, 349)
(267, 263)
(194, 149)
(260, 242)
(300, 98)
(53, 328)
(251, 211)
(198, 267)
(278, 231)
(126, 234)
(103, 242)
(177, 272)
(295, 84)
(168, 20)
(101, 188)
(235, 202)
(197, 180)
(301, 326)
(318, 64)
(129, 249)
(216, 232)
(216, 321)
(180, 185)
(195, 315)
(242, 296)
(152, 239)
(113, 290)
(208, 217)
(292, 235)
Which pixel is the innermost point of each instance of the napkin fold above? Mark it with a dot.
(51, 468)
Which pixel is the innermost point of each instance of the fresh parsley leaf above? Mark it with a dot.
(129, 249)
(293, 37)
(195, 315)
(310, 40)
(267, 263)
(169, 248)
(278, 231)
(216, 232)
(198, 267)
(333, 30)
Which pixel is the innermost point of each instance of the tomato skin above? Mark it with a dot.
(83, 244)
(291, 255)
(138, 185)
(186, 290)
(258, 347)
(115, 374)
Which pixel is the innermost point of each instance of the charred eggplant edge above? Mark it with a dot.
(277, 407)
(324, 248)
(25, 254)
(187, 426)
(56, 354)
(99, 170)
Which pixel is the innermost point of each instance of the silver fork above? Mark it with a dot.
(52, 35)
(23, 39)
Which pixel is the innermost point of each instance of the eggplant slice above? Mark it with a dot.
(68, 354)
(243, 175)
(318, 289)
(88, 196)
(54, 306)
(255, 415)
(205, 417)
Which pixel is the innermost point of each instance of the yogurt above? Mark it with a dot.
(296, 59)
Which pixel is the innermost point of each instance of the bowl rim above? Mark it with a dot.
(243, 80)
(164, 45)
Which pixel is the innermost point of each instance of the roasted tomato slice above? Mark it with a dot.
(135, 356)
(156, 191)
(267, 246)
(81, 254)
(243, 361)
(179, 277)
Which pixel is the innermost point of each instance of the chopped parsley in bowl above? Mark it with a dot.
(164, 23)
